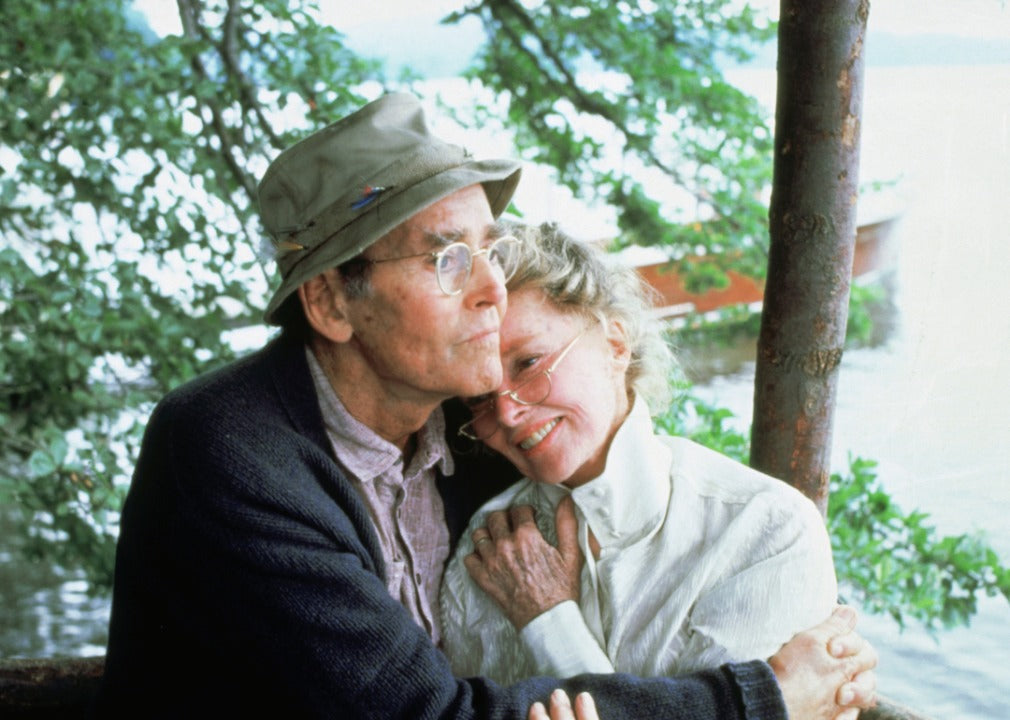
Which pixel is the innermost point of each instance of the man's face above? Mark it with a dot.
(423, 344)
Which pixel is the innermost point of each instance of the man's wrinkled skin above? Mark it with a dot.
(830, 650)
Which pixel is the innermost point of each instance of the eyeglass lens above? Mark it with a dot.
(531, 391)
(456, 261)
(484, 422)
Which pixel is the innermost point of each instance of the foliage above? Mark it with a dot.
(864, 302)
(887, 561)
(692, 417)
(895, 563)
(130, 233)
(722, 327)
(628, 102)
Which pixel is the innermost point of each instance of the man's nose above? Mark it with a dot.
(486, 285)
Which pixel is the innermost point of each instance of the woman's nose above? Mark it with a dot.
(508, 410)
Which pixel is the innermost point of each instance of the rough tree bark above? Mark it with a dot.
(813, 229)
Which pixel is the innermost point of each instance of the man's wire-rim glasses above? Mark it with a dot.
(533, 391)
(454, 262)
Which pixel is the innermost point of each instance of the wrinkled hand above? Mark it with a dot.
(826, 672)
(561, 708)
(520, 570)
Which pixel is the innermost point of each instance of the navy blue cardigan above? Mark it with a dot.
(249, 580)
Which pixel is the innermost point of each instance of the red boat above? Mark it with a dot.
(875, 253)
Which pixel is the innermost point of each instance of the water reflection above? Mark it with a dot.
(703, 359)
(45, 612)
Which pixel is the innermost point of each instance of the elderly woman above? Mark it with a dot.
(691, 559)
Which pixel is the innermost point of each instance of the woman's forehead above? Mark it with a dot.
(532, 317)
(527, 306)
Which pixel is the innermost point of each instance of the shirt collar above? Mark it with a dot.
(363, 452)
(630, 498)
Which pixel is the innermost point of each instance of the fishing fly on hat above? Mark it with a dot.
(327, 198)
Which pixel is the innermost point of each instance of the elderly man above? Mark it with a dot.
(290, 515)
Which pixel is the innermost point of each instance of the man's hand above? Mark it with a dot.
(561, 708)
(520, 570)
(826, 673)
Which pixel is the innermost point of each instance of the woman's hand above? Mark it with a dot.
(561, 708)
(520, 570)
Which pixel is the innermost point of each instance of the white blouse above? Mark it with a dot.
(702, 561)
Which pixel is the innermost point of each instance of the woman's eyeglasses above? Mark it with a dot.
(533, 391)
(454, 262)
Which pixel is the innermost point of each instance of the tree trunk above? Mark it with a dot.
(813, 230)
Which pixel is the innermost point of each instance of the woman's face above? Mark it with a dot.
(566, 437)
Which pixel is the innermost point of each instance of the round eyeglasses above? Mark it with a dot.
(531, 391)
(454, 262)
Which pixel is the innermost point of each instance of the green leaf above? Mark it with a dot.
(40, 464)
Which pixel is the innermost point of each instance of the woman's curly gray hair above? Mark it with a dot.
(580, 278)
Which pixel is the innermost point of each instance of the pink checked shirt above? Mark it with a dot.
(404, 503)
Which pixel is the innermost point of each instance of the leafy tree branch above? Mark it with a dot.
(651, 75)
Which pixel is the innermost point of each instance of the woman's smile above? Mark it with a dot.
(563, 435)
(533, 440)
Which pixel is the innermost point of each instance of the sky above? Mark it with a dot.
(983, 19)
(967, 18)
(970, 18)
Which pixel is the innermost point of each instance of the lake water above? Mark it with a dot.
(931, 405)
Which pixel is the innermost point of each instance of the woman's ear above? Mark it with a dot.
(325, 306)
(617, 339)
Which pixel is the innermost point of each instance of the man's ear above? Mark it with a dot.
(325, 306)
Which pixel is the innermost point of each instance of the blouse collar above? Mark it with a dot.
(629, 500)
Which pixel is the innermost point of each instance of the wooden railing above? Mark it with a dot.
(888, 710)
(48, 689)
(62, 689)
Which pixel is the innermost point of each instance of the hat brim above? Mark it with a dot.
(499, 179)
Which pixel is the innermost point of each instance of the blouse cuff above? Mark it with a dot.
(560, 644)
